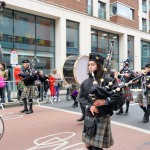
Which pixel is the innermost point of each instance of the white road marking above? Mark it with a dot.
(56, 142)
(113, 122)
(9, 116)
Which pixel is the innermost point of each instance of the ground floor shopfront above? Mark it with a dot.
(52, 33)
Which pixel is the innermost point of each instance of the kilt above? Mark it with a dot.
(103, 137)
(140, 99)
(148, 97)
(28, 92)
(127, 94)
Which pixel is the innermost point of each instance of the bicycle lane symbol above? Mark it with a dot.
(9, 116)
(57, 141)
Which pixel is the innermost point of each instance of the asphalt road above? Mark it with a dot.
(133, 119)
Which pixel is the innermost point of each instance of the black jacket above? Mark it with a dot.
(87, 102)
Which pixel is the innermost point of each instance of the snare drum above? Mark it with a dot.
(75, 69)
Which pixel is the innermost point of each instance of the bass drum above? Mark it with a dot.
(75, 69)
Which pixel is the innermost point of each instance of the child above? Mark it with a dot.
(20, 87)
(51, 85)
(74, 97)
(2, 85)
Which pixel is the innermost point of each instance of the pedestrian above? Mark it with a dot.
(2, 85)
(57, 83)
(74, 97)
(5, 75)
(8, 86)
(19, 83)
(99, 136)
(51, 86)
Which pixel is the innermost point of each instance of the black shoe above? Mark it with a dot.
(119, 113)
(145, 120)
(126, 113)
(24, 111)
(10, 101)
(29, 112)
(81, 119)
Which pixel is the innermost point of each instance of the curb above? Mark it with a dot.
(16, 103)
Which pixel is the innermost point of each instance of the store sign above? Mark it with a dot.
(14, 58)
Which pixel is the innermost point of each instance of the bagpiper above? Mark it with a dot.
(126, 74)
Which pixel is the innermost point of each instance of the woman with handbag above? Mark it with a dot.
(97, 128)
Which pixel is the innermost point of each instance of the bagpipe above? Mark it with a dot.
(103, 91)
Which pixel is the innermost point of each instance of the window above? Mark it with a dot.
(131, 50)
(72, 38)
(145, 52)
(122, 10)
(90, 7)
(102, 10)
(144, 25)
(101, 43)
(144, 6)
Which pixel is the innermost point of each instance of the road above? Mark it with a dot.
(54, 127)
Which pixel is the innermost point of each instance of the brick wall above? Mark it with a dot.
(121, 20)
(77, 5)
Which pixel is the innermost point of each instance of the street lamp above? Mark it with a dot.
(2, 5)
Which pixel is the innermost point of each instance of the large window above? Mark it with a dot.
(6, 28)
(122, 10)
(72, 39)
(101, 43)
(89, 7)
(24, 31)
(144, 25)
(145, 52)
(144, 6)
(131, 50)
(102, 10)
(30, 36)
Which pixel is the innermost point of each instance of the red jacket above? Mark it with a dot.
(51, 81)
(16, 72)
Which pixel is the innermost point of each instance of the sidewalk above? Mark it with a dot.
(16, 103)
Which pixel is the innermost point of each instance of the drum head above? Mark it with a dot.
(75, 69)
(81, 69)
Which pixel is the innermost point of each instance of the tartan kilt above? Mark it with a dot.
(28, 92)
(127, 94)
(103, 137)
(148, 97)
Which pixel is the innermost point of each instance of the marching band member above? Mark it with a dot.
(128, 74)
(102, 113)
(147, 93)
(29, 88)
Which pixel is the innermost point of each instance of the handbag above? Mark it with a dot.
(90, 125)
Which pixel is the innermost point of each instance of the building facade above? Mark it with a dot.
(51, 30)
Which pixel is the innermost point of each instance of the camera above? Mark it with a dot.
(2, 5)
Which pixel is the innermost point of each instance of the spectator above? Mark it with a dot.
(74, 97)
(19, 83)
(51, 85)
(8, 86)
(2, 85)
(57, 83)
(4, 74)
